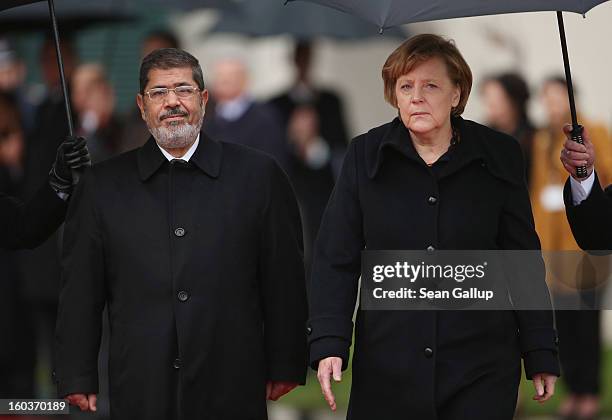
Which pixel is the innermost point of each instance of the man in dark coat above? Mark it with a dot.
(587, 205)
(26, 225)
(196, 247)
(237, 118)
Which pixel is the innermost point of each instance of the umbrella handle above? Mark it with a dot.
(577, 130)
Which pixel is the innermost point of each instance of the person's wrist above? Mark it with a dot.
(589, 172)
(59, 183)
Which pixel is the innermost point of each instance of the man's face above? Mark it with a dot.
(174, 121)
(229, 80)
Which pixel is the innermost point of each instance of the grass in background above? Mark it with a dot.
(309, 397)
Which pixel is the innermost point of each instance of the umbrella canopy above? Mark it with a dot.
(9, 4)
(268, 18)
(72, 14)
(188, 5)
(389, 13)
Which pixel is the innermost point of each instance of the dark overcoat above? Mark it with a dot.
(26, 225)
(427, 364)
(200, 264)
(591, 220)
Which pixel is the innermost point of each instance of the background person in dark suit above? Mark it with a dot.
(316, 136)
(427, 180)
(26, 225)
(195, 246)
(587, 205)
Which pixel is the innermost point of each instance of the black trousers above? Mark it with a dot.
(580, 350)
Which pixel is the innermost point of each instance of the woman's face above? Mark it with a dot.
(556, 103)
(426, 96)
(499, 110)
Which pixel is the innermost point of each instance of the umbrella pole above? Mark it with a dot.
(581, 172)
(60, 64)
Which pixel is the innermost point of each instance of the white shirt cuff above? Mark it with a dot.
(581, 189)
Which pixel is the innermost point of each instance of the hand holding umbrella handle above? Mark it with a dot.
(577, 130)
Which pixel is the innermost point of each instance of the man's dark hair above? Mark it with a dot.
(168, 37)
(170, 58)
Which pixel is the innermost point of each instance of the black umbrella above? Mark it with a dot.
(389, 13)
(262, 18)
(73, 14)
(188, 5)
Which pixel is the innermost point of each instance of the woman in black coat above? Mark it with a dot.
(427, 180)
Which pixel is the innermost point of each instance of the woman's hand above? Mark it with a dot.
(330, 366)
(544, 384)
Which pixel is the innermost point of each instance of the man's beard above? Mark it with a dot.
(177, 134)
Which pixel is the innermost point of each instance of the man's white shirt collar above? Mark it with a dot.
(187, 155)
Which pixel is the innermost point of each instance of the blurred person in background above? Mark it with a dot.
(505, 97)
(587, 206)
(135, 133)
(330, 125)
(316, 135)
(236, 117)
(93, 99)
(579, 330)
(17, 351)
(11, 145)
(40, 267)
(25, 225)
(12, 81)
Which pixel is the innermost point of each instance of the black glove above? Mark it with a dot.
(71, 160)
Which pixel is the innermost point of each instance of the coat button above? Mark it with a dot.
(177, 363)
(180, 232)
(430, 248)
(432, 200)
(183, 296)
(309, 330)
(428, 352)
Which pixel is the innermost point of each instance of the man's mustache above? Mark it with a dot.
(176, 112)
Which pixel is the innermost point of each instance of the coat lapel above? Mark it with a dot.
(207, 157)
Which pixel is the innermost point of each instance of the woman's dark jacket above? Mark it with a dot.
(474, 198)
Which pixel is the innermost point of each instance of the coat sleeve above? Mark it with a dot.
(591, 220)
(283, 282)
(537, 336)
(336, 268)
(82, 295)
(27, 225)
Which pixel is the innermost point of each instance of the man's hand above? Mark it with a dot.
(84, 402)
(71, 159)
(574, 155)
(544, 384)
(330, 366)
(275, 390)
